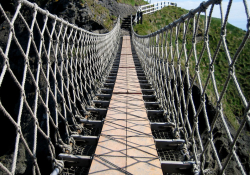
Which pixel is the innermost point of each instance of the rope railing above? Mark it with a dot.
(56, 68)
(166, 63)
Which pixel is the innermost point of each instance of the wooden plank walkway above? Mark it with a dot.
(126, 144)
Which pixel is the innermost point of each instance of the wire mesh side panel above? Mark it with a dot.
(50, 71)
(173, 67)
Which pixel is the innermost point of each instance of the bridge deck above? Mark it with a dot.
(126, 145)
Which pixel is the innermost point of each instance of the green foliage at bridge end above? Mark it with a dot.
(232, 106)
(102, 15)
(133, 2)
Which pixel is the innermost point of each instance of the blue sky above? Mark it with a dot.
(237, 15)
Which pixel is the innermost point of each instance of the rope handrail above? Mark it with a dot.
(56, 68)
(167, 66)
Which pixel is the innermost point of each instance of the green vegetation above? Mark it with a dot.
(133, 2)
(159, 19)
(232, 106)
(100, 14)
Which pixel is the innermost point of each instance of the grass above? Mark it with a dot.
(101, 14)
(133, 2)
(232, 106)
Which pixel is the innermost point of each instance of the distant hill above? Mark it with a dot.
(233, 107)
(92, 15)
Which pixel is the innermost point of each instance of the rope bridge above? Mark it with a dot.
(53, 75)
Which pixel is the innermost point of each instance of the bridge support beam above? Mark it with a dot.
(177, 167)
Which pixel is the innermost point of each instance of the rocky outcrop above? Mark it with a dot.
(92, 15)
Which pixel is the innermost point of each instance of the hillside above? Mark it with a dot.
(93, 15)
(233, 107)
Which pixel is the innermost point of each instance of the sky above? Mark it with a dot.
(237, 15)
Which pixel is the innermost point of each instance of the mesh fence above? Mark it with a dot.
(50, 71)
(181, 81)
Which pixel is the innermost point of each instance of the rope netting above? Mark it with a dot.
(176, 70)
(50, 72)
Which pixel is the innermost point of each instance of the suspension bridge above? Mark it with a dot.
(76, 102)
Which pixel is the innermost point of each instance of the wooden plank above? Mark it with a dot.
(126, 144)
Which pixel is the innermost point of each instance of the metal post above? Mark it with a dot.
(141, 16)
(138, 17)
